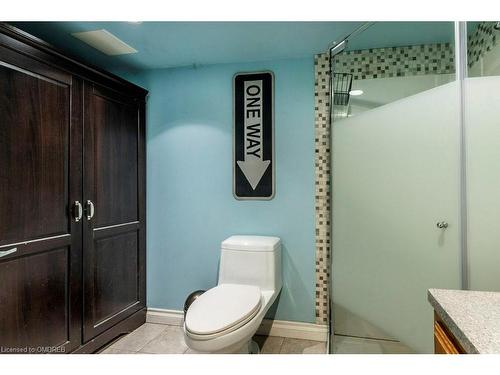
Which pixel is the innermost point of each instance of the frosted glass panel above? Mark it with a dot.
(482, 119)
(381, 91)
(395, 175)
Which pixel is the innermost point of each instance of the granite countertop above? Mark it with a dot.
(472, 317)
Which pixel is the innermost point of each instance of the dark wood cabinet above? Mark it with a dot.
(71, 137)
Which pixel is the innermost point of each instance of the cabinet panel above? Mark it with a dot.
(115, 159)
(34, 159)
(33, 300)
(115, 274)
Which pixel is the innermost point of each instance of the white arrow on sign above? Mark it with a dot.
(253, 166)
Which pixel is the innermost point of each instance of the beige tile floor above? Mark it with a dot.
(163, 339)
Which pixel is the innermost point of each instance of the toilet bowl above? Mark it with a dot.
(224, 318)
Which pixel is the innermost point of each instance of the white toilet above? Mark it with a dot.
(224, 318)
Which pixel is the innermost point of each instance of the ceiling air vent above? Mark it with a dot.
(105, 42)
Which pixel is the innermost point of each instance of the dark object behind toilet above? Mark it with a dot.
(191, 298)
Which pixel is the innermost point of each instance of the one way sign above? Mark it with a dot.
(253, 162)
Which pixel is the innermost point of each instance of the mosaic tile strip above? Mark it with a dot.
(322, 185)
(397, 61)
(481, 41)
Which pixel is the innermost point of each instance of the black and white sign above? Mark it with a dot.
(253, 162)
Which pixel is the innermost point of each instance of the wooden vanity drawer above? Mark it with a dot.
(444, 341)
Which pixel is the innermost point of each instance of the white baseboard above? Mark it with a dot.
(295, 330)
(282, 328)
(163, 316)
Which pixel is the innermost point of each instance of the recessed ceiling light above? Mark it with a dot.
(105, 42)
(356, 92)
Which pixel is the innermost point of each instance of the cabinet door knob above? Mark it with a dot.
(442, 225)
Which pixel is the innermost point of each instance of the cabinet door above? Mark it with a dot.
(40, 178)
(114, 238)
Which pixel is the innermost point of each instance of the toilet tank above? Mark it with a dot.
(251, 260)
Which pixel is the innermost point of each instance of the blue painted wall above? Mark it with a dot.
(190, 204)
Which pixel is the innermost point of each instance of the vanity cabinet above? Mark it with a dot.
(444, 341)
(72, 201)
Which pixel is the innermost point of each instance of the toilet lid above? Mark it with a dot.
(222, 307)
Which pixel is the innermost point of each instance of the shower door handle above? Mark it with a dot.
(442, 224)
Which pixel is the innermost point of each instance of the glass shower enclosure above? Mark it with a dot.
(415, 145)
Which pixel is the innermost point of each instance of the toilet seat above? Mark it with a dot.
(221, 310)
